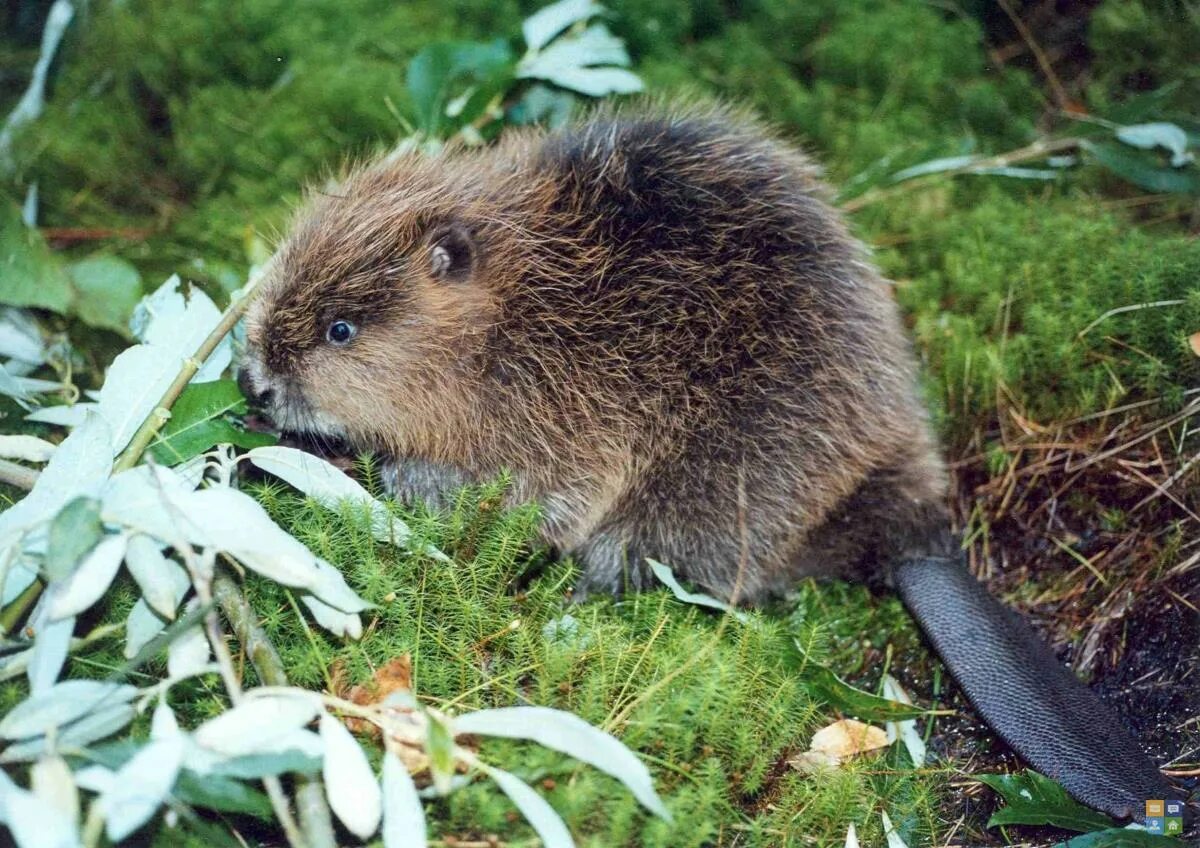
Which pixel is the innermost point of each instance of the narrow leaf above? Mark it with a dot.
(141, 786)
(573, 736)
(91, 579)
(163, 581)
(667, 578)
(540, 27)
(1170, 137)
(403, 817)
(354, 794)
(61, 704)
(540, 815)
(26, 448)
(255, 724)
(190, 653)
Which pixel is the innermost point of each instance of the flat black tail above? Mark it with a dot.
(1025, 694)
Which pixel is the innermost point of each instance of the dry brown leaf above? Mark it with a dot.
(1194, 341)
(833, 745)
(393, 676)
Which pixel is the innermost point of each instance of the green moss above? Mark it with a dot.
(1008, 298)
(714, 708)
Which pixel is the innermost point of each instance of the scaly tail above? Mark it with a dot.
(1024, 693)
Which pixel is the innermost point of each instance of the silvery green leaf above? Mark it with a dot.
(403, 817)
(296, 751)
(344, 624)
(51, 780)
(596, 82)
(905, 730)
(163, 724)
(540, 815)
(62, 415)
(254, 725)
(665, 576)
(140, 787)
(91, 579)
(934, 166)
(1168, 136)
(20, 337)
(141, 626)
(548, 22)
(236, 524)
(163, 581)
(32, 821)
(190, 653)
(135, 383)
(104, 721)
(73, 533)
(16, 580)
(331, 488)
(350, 784)
(851, 837)
(332, 589)
(573, 736)
(151, 500)
(594, 46)
(27, 448)
(79, 467)
(10, 386)
(51, 642)
(893, 837)
(61, 704)
(95, 778)
(171, 322)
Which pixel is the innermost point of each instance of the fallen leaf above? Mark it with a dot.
(833, 745)
(393, 676)
(1194, 341)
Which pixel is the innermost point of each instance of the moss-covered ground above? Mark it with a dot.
(175, 131)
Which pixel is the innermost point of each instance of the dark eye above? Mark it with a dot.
(340, 332)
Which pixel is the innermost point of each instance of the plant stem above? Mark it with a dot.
(1038, 150)
(310, 793)
(15, 611)
(17, 475)
(154, 422)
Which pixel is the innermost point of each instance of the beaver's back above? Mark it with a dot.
(698, 297)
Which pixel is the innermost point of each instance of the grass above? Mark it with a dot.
(194, 130)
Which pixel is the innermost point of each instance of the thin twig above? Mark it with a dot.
(1061, 98)
(154, 422)
(17, 475)
(310, 793)
(1133, 307)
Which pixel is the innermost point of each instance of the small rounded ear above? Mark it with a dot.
(452, 253)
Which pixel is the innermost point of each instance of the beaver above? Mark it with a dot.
(657, 324)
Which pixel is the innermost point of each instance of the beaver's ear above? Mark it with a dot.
(453, 253)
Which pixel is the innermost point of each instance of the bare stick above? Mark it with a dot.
(17, 475)
(310, 793)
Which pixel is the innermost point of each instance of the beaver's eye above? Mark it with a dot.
(340, 332)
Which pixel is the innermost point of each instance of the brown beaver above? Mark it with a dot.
(659, 326)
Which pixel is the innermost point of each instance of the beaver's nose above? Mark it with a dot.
(252, 392)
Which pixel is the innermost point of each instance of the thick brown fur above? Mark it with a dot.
(653, 320)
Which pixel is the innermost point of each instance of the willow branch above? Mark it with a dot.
(1038, 150)
(310, 793)
(154, 422)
